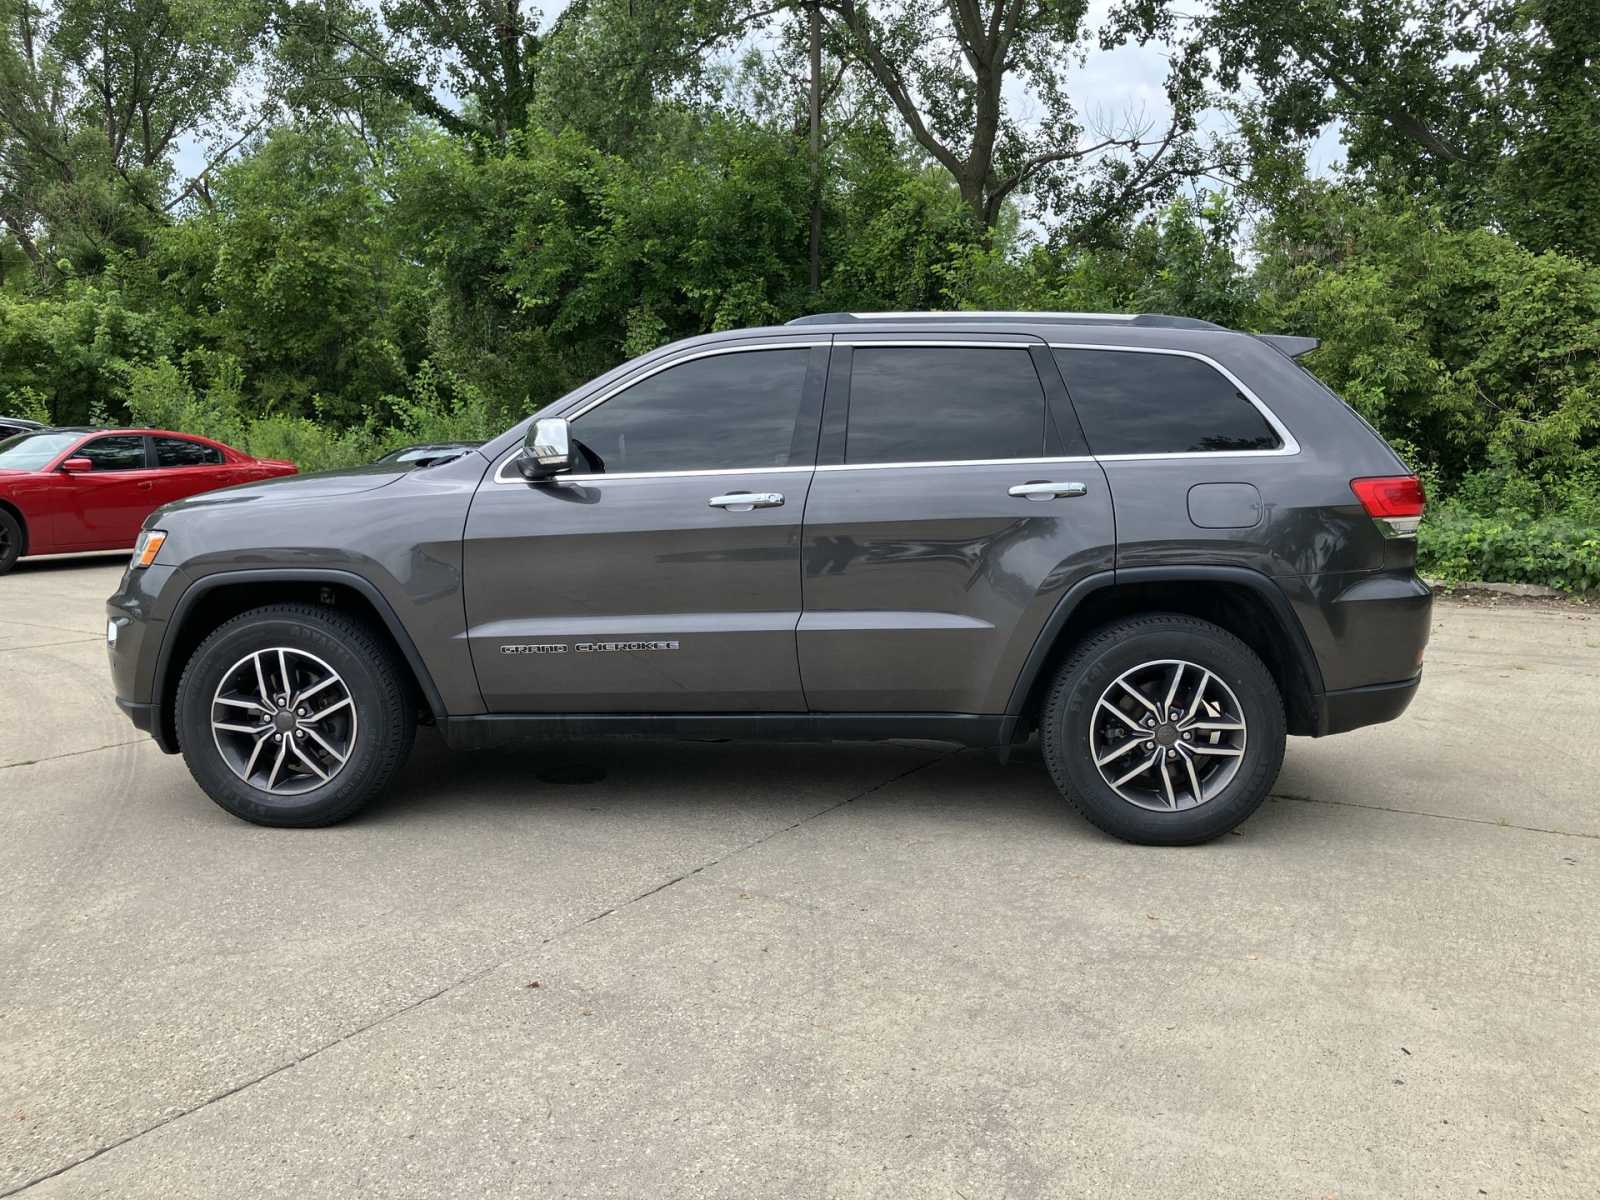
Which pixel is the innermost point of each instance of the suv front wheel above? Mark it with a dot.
(1164, 730)
(294, 715)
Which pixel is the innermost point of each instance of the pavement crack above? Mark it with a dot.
(737, 850)
(32, 762)
(462, 981)
(1417, 812)
(78, 641)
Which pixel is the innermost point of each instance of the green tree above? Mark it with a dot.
(305, 284)
(1546, 184)
(946, 68)
(95, 98)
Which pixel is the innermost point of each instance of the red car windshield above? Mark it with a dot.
(30, 451)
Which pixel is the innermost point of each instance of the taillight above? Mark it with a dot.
(1394, 502)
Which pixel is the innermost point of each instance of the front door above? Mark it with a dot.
(102, 509)
(645, 583)
(954, 503)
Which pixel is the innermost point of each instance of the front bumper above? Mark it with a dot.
(136, 646)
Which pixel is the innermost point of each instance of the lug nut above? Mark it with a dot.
(1187, 735)
(300, 712)
(300, 733)
(1149, 720)
(277, 737)
(1172, 754)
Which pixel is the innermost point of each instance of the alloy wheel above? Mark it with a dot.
(1167, 735)
(284, 721)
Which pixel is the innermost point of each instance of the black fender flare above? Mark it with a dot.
(1263, 586)
(329, 575)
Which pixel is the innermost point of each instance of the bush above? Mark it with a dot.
(1553, 551)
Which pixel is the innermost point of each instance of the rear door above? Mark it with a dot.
(187, 467)
(645, 583)
(954, 503)
(102, 509)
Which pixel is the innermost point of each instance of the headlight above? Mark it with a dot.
(149, 545)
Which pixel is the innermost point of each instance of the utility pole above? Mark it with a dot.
(815, 10)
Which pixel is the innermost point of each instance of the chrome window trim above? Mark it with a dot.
(1290, 445)
(500, 475)
(892, 340)
(958, 462)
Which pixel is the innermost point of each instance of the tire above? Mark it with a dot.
(11, 540)
(374, 730)
(1233, 767)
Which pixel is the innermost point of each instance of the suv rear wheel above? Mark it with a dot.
(294, 715)
(1164, 730)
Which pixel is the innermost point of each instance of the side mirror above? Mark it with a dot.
(77, 466)
(547, 450)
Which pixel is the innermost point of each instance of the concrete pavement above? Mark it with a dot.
(849, 970)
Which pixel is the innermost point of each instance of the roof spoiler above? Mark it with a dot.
(1288, 344)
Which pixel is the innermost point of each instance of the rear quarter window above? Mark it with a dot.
(1151, 403)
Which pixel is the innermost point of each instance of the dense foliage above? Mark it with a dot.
(399, 221)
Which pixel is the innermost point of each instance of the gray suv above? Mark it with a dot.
(1159, 543)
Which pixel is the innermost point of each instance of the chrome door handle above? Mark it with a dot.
(745, 501)
(1047, 491)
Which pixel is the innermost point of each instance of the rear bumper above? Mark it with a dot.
(1352, 708)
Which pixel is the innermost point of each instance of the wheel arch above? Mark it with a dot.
(1245, 602)
(214, 599)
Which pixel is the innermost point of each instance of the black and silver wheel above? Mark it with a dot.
(284, 721)
(1164, 729)
(11, 540)
(294, 715)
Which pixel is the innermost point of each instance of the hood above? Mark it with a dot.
(288, 489)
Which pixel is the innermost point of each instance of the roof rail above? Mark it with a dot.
(1144, 320)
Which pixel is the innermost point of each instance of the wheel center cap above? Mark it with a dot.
(284, 722)
(1167, 735)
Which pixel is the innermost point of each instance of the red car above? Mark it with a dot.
(64, 490)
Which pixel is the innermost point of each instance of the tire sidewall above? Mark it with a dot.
(1087, 677)
(321, 805)
(12, 552)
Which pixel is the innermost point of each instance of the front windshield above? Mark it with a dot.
(30, 451)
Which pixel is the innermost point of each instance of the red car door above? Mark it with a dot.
(186, 467)
(102, 508)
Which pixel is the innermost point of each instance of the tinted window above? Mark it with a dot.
(114, 453)
(729, 411)
(30, 451)
(928, 404)
(179, 452)
(1159, 404)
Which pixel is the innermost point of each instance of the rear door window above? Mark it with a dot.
(943, 404)
(1143, 403)
(181, 452)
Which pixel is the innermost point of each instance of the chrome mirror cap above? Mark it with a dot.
(547, 449)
